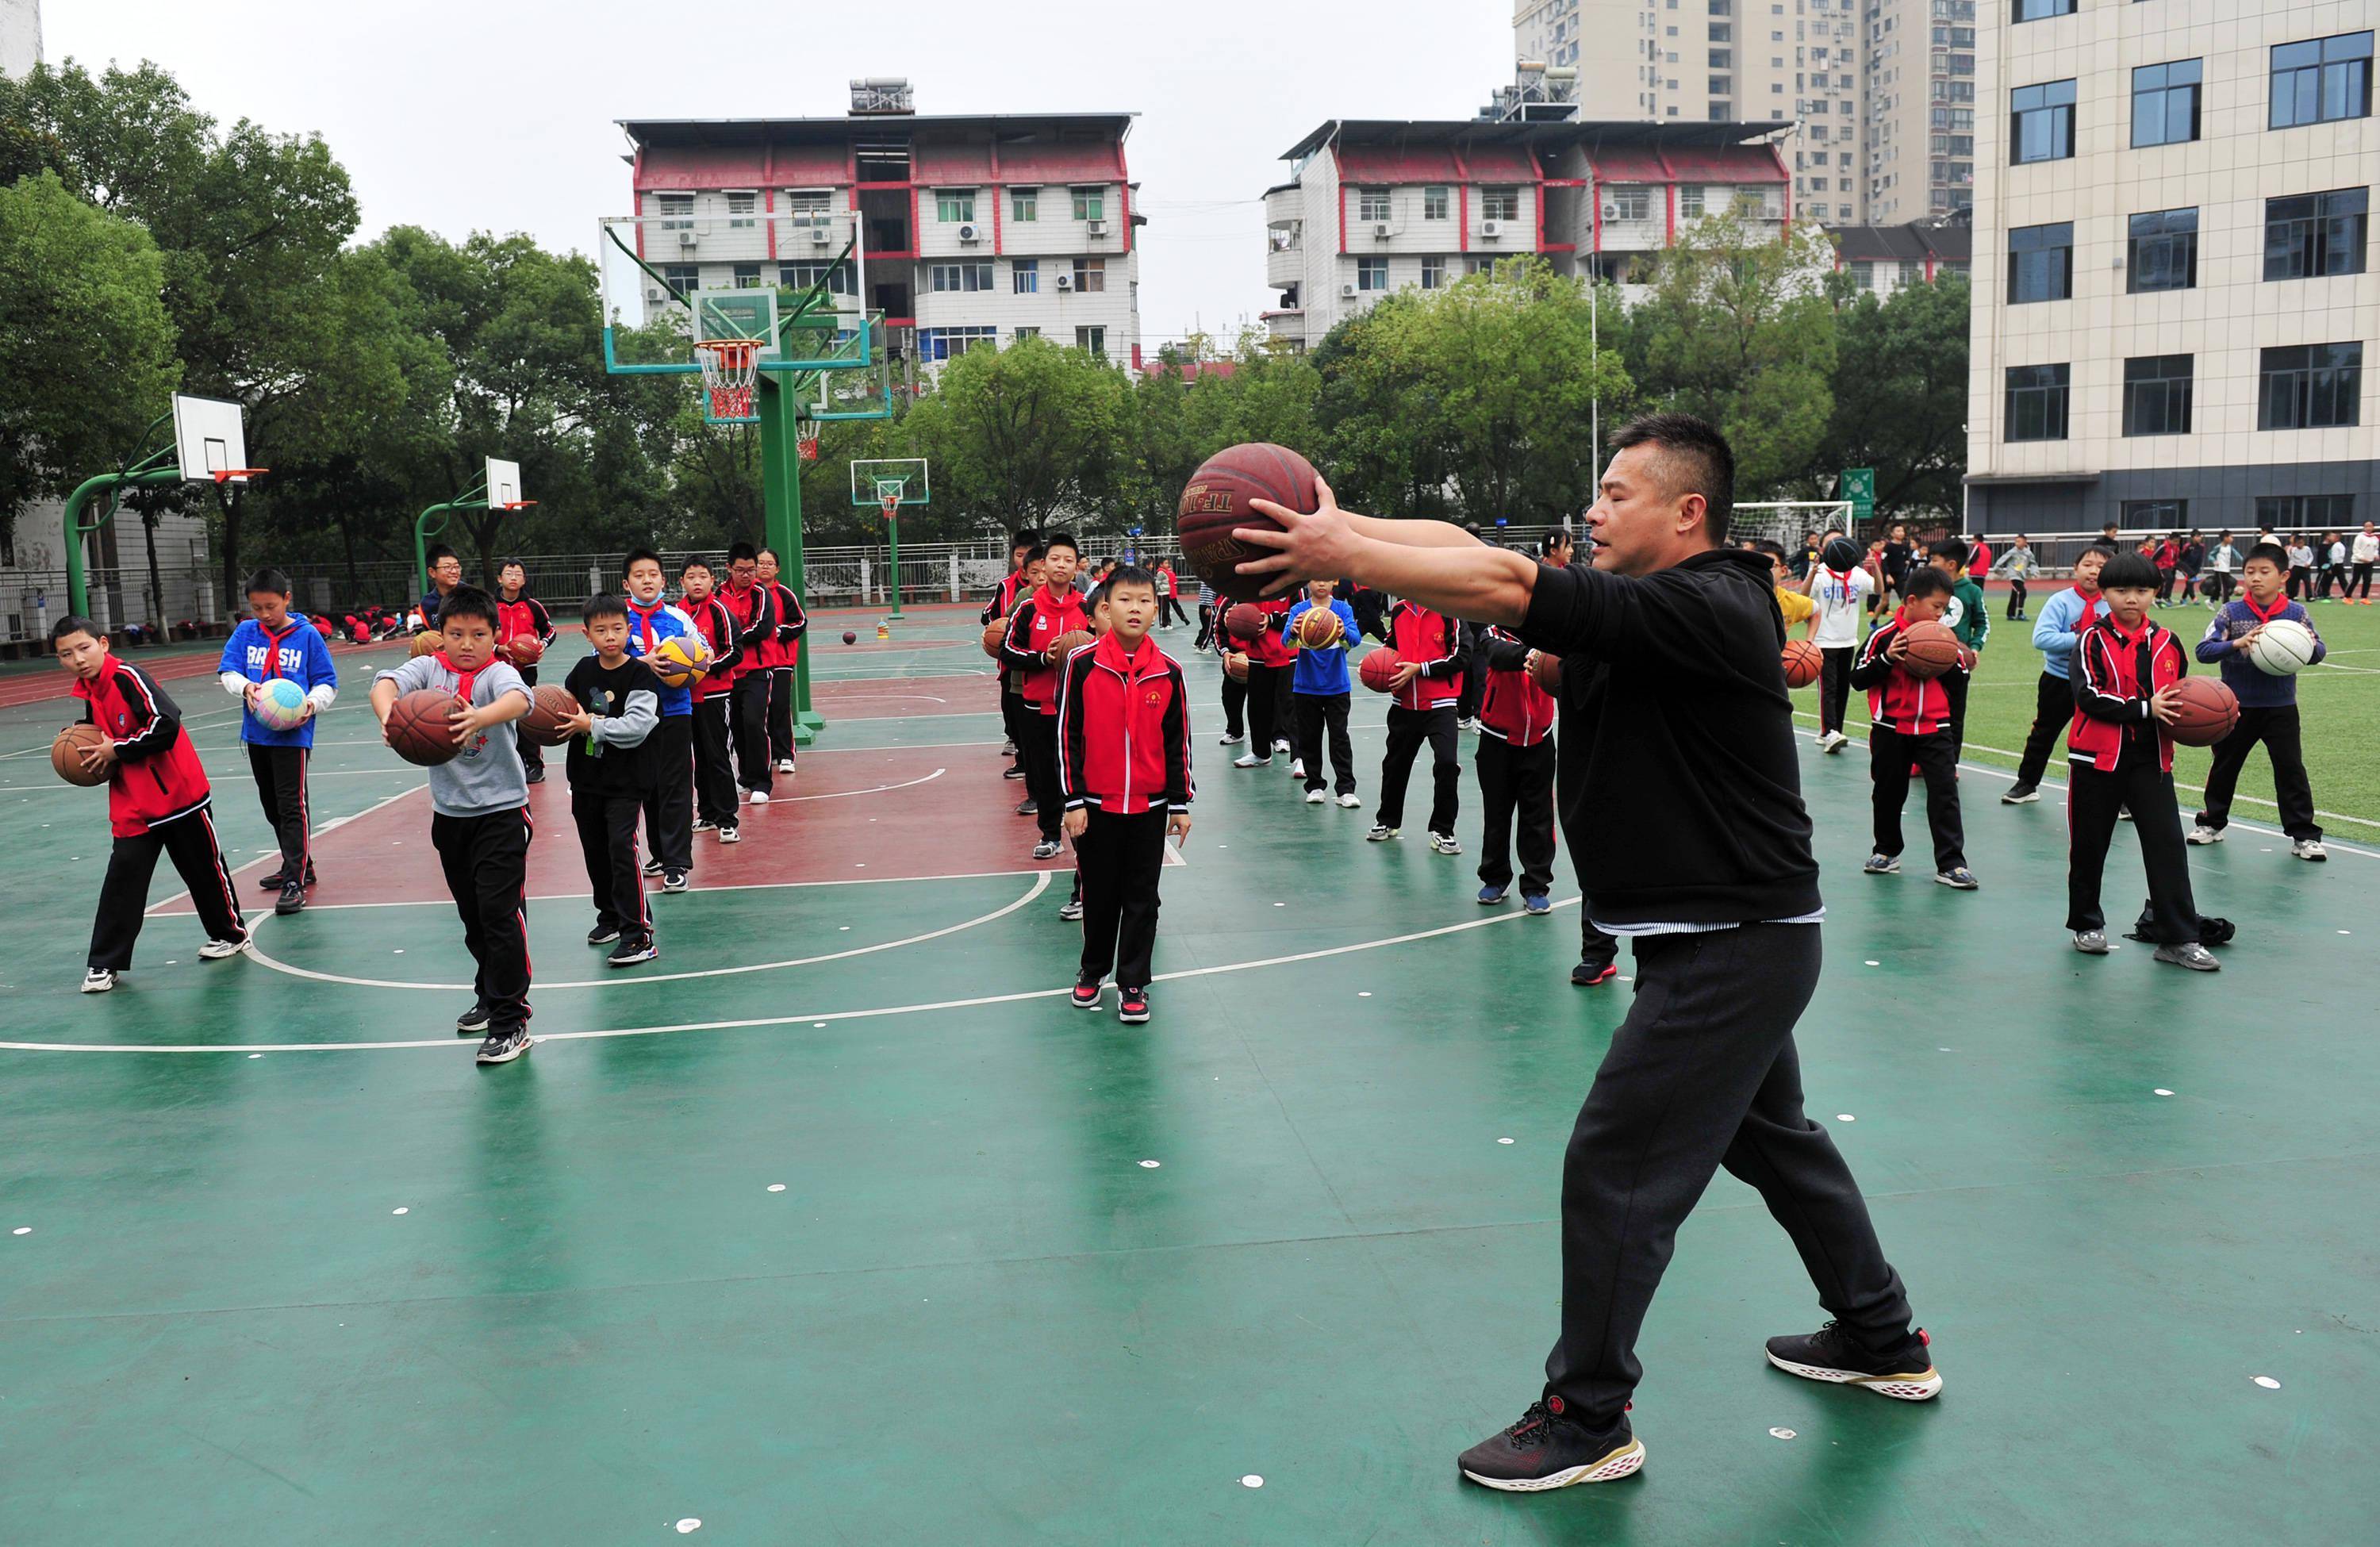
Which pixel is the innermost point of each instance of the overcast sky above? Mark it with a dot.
(498, 115)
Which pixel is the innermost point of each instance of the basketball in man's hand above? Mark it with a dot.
(1216, 500)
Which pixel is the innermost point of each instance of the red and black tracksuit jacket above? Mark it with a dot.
(781, 646)
(1898, 701)
(716, 623)
(1512, 707)
(156, 777)
(1035, 626)
(755, 614)
(1124, 729)
(524, 618)
(1272, 646)
(2115, 673)
(1435, 641)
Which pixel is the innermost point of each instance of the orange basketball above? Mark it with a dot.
(1318, 628)
(992, 634)
(1235, 667)
(1379, 669)
(1067, 643)
(1545, 671)
(2209, 710)
(1932, 649)
(549, 703)
(419, 729)
(1244, 621)
(1804, 661)
(524, 650)
(65, 755)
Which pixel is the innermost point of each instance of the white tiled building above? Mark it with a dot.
(973, 229)
(1375, 205)
(2174, 295)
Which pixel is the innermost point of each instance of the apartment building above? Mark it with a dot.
(1919, 74)
(1377, 205)
(2174, 295)
(972, 229)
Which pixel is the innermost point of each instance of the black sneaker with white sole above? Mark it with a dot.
(602, 934)
(629, 952)
(474, 1021)
(674, 881)
(1072, 910)
(2020, 795)
(1833, 1355)
(505, 1044)
(652, 867)
(1546, 1449)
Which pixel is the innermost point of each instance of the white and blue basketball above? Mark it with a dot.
(2282, 647)
(280, 704)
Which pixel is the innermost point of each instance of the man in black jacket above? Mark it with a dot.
(1677, 745)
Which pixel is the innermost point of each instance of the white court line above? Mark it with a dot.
(735, 886)
(1040, 884)
(451, 1041)
(858, 697)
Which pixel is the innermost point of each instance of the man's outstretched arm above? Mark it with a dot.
(1439, 566)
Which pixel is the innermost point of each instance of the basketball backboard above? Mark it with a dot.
(505, 486)
(209, 436)
(661, 275)
(871, 477)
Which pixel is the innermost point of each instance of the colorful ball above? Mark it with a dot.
(678, 659)
(1318, 628)
(280, 705)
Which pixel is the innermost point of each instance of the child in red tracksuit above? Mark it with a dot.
(780, 654)
(520, 616)
(2119, 757)
(1054, 609)
(1912, 721)
(1516, 771)
(714, 777)
(1433, 650)
(1272, 681)
(158, 801)
(1124, 749)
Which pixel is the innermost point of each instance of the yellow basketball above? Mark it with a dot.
(679, 659)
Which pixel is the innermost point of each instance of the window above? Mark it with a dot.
(2041, 10)
(2157, 394)
(809, 206)
(2036, 402)
(1371, 274)
(1433, 273)
(1091, 203)
(747, 276)
(1095, 340)
(2322, 80)
(2325, 512)
(2041, 262)
(938, 344)
(953, 204)
(1371, 203)
(1091, 273)
(2154, 515)
(1433, 204)
(739, 210)
(804, 276)
(1689, 199)
(2162, 252)
(2315, 234)
(960, 276)
(1500, 204)
(1024, 205)
(1911, 272)
(2164, 104)
(684, 279)
(2311, 387)
(1630, 203)
(1025, 276)
(677, 212)
(1029, 332)
(2041, 122)
(1864, 276)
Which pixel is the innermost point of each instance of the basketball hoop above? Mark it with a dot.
(892, 506)
(237, 475)
(731, 366)
(806, 439)
(888, 494)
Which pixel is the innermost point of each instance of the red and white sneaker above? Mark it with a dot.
(1132, 1005)
(1087, 996)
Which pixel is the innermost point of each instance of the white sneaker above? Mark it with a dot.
(1380, 834)
(1315, 797)
(1298, 768)
(1229, 740)
(215, 950)
(1281, 744)
(760, 797)
(1831, 740)
(1249, 760)
(1469, 727)
(2199, 834)
(1349, 800)
(2308, 849)
(99, 980)
(1443, 843)
(730, 834)
(786, 765)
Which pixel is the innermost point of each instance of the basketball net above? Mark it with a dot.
(731, 366)
(888, 494)
(806, 439)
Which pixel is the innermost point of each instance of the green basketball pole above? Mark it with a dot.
(781, 498)
(893, 538)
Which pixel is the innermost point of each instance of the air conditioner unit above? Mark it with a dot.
(1096, 227)
(655, 293)
(820, 236)
(1491, 229)
(686, 239)
(1611, 212)
(967, 232)
(1382, 228)
(1065, 282)
(1347, 292)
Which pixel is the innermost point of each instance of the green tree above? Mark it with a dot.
(1901, 396)
(1380, 428)
(1740, 331)
(1027, 436)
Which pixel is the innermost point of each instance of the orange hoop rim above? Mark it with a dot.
(226, 475)
(729, 350)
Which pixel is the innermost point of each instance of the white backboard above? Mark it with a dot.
(209, 434)
(503, 483)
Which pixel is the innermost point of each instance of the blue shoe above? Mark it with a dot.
(1882, 864)
(1536, 902)
(1490, 895)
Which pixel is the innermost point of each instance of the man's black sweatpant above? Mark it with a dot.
(714, 778)
(668, 803)
(1315, 713)
(2276, 727)
(189, 842)
(2053, 711)
(1408, 728)
(1702, 1073)
(607, 837)
(747, 715)
(2093, 798)
(1037, 741)
(280, 775)
(1267, 685)
(1936, 756)
(486, 861)
(1117, 860)
(1518, 778)
(1834, 685)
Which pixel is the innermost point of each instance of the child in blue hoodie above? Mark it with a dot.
(2268, 705)
(274, 642)
(1321, 690)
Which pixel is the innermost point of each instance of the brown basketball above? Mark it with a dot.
(66, 763)
(1804, 661)
(419, 730)
(1068, 642)
(992, 634)
(2209, 710)
(1235, 667)
(1545, 671)
(1318, 628)
(427, 644)
(549, 702)
(1932, 649)
(1378, 669)
(1244, 621)
(1216, 500)
(524, 650)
